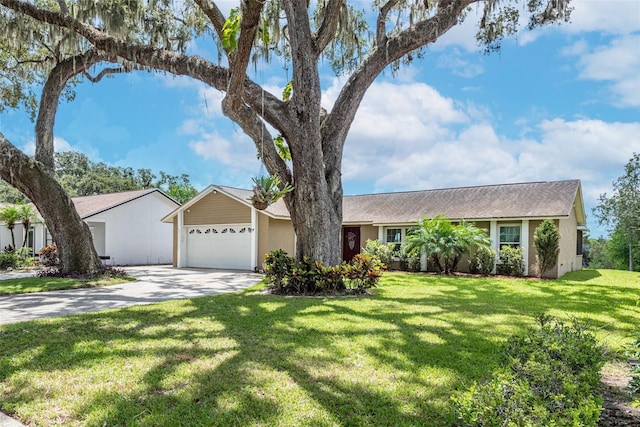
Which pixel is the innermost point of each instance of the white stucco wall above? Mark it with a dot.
(567, 259)
(133, 232)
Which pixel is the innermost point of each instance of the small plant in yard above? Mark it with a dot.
(550, 377)
(546, 240)
(288, 276)
(511, 261)
(9, 260)
(482, 261)
(633, 352)
(49, 256)
(384, 251)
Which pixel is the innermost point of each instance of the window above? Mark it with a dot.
(30, 240)
(579, 243)
(509, 235)
(394, 235)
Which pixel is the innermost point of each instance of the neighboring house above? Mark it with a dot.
(126, 227)
(219, 228)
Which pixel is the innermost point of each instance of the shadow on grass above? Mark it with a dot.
(583, 275)
(248, 359)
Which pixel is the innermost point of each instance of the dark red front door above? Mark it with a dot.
(350, 242)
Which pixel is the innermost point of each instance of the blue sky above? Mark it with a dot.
(557, 103)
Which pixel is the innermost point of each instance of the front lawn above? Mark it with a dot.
(245, 359)
(41, 284)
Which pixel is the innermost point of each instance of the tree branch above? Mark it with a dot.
(104, 73)
(213, 13)
(251, 10)
(63, 7)
(381, 25)
(275, 111)
(306, 82)
(55, 83)
(329, 25)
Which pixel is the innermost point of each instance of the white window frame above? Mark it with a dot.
(501, 243)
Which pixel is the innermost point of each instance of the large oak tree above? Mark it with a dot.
(361, 44)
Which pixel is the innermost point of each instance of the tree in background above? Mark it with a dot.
(79, 176)
(10, 216)
(26, 215)
(301, 34)
(621, 211)
(546, 240)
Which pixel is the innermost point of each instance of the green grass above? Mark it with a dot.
(249, 359)
(41, 284)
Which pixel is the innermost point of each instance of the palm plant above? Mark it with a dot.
(10, 216)
(26, 215)
(443, 242)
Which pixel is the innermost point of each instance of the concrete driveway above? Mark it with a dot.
(153, 284)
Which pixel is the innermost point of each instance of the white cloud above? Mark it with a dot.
(237, 152)
(617, 63)
(59, 145)
(609, 16)
(397, 144)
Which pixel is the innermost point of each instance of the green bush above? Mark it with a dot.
(9, 260)
(633, 352)
(284, 275)
(546, 240)
(409, 262)
(550, 377)
(511, 261)
(482, 261)
(277, 268)
(384, 251)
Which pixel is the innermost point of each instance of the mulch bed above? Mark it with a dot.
(617, 410)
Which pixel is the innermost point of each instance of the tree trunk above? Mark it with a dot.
(630, 254)
(316, 219)
(71, 234)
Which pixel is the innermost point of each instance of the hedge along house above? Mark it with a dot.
(219, 228)
(126, 227)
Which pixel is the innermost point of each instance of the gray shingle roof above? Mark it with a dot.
(91, 205)
(525, 200)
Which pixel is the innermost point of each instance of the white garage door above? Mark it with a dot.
(220, 246)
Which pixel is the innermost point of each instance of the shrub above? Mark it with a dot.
(482, 261)
(415, 265)
(384, 251)
(410, 262)
(9, 260)
(546, 240)
(511, 261)
(49, 256)
(550, 377)
(277, 267)
(363, 271)
(284, 275)
(633, 352)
